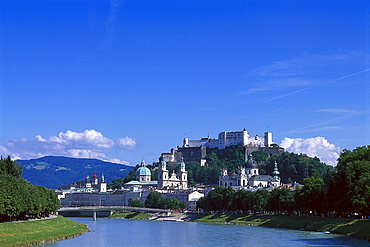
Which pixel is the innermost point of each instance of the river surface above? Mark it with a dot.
(122, 232)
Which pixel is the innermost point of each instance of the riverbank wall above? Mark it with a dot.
(346, 226)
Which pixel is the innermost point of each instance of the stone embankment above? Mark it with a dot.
(175, 216)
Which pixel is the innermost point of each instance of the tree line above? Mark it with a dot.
(19, 199)
(345, 191)
(155, 200)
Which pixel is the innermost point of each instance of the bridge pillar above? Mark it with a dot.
(94, 216)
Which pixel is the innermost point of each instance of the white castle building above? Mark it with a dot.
(248, 177)
(229, 138)
(196, 150)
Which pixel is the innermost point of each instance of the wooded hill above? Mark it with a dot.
(52, 171)
(292, 167)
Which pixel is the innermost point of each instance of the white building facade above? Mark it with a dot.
(174, 181)
(248, 177)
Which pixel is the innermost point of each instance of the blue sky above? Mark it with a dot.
(126, 80)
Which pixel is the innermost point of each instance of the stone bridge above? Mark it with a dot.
(104, 211)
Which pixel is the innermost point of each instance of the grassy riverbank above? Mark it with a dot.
(350, 227)
(131, 215)
(30, 233)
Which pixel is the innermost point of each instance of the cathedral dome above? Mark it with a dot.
(251, 164)
(143, 171)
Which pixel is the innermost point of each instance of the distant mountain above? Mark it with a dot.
(52, 172)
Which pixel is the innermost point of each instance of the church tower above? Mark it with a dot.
(243, 177)
(276, 172)
(162, 173)
(103, 184)
(88, 182)
(95, 179)
(183, 175)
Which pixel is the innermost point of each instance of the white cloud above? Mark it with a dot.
(273, 84)
(6, 152)
(318, 146)
(88, 137)
(86, 144)
(304, 65)
(297, 72)
(127, 143)
(338, 111)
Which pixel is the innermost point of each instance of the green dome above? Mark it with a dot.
(143, 171)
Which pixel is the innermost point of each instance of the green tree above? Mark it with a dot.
(260, 156)
(167, 203)
(242, 200)
(349, 185)
(297, 167)
(10, 201)
(182, 205)
(221, 198)
(116, 183)
(19, 198)
(137, 203)
(203, 203)
(153, 200)
(281, 200)
(11, 167)
(259, 201)
(312, 197)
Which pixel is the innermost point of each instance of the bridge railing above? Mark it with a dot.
(105, 208)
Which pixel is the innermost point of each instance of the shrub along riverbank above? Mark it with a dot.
(351, 227)
(30, 233)
(131, 215)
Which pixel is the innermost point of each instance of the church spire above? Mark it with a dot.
(163, 163)
(142, 164)
(182, 164)
(276, 172)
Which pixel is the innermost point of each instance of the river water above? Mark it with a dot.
(122, 232)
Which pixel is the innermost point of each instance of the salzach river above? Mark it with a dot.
(122, 232)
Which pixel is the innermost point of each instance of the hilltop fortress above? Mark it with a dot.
(196, 150)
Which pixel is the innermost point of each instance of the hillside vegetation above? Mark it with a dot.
(292, 167)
